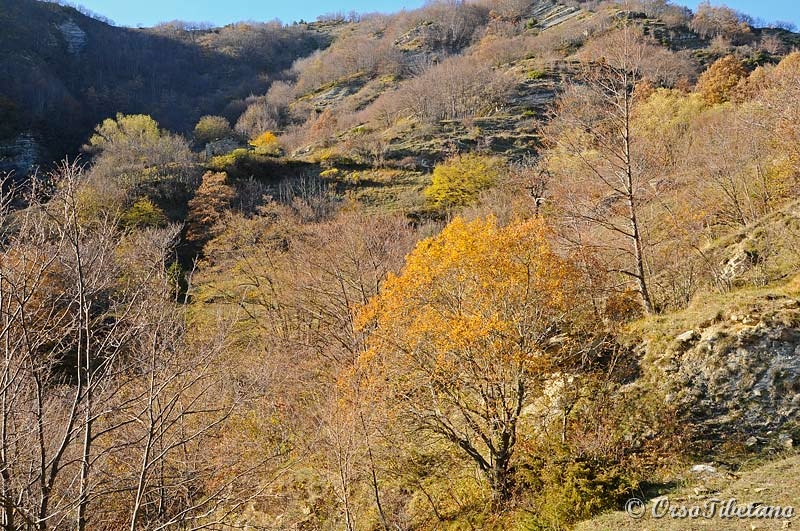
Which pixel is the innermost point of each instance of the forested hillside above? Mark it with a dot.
(486, 265)
(63, 71)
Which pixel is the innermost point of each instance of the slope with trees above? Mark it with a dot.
(509, 300)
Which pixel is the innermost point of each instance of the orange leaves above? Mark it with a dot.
(476, 293)
(718, 83)
(459, 342)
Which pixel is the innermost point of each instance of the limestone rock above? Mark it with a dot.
(74, 36)
(21, 155)
(742, 384)
(704, 469)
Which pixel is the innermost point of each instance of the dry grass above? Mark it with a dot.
(773, 484)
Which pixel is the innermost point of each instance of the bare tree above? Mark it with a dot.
(96, 373)
(602, 178)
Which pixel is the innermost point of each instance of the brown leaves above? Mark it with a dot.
(211, 200)
(717, 84)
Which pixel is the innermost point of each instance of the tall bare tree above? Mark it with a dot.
(601, 177)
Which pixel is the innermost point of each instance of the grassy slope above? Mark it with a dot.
(776, 483)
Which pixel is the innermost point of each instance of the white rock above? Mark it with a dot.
(704, 469)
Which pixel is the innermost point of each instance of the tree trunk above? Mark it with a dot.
(630, 189)
(500, 482)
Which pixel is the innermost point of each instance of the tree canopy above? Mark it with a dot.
(459, 180)
(132, 148)
(462, 335)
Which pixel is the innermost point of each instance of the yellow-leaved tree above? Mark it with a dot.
(458, 343)
(459, 180)
(266, 144)
(718, 83)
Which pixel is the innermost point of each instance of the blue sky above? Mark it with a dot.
(768, 10)
(220, 12)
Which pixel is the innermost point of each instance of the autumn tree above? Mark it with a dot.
(676, 218)
(458, 181)
(69, 315)
(453, 24)
(295, 291)
(211, 200)
(210, 128)
(143, 213)
(456, 88)
(718, 83)
(259, 116)
(779, 116)
(459, 341)
(107, 416)
(266, 143)
(719, 21)
(131, 149)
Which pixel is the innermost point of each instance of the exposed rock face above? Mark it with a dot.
(222, 147)
(74, 36)
(549, 13)
(541, 14)
(20, 156)
(739, 377)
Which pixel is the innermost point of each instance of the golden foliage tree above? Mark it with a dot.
(458, 181)
(717, 84)
(459, 340)
(266, 143)
(783, 109)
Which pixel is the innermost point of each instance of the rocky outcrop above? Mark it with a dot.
(21, 155)
(222, 146)
(738, 377)
(74, 36)
(549, 13)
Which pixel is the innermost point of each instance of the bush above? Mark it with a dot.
(143, 213)
(575, 489)
(458, 181)
(534, 74)
(211, 128)
(225, 162)
(458, 87)
(266, 144)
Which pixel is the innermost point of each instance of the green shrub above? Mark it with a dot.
(143, 213)
(534, 74)
(459, 180)
(575, 489)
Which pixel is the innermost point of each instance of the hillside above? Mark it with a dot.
(773, 484)
(485, 265)
(64, 72)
